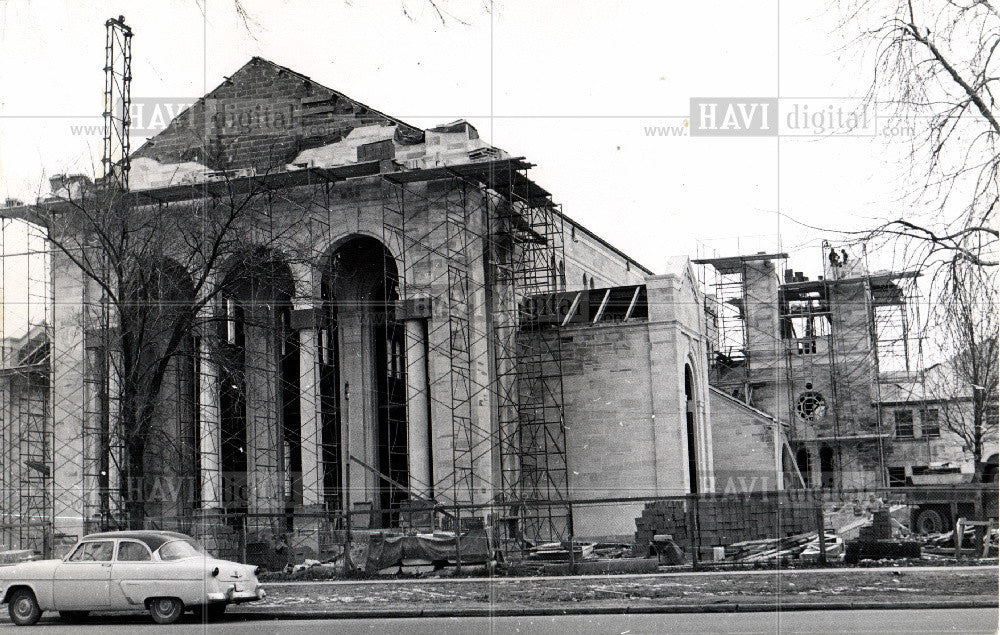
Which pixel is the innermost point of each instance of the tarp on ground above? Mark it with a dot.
(386, 551)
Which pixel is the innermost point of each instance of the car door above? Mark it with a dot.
(82, 582)
(130, 574)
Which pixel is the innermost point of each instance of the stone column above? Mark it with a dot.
(308, 524)
(209, 431)
(356, 401)
(417, 408)
(68, 364)
(310, 418)
(263, 417)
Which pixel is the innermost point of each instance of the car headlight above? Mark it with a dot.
(215, 572)
(256, 570)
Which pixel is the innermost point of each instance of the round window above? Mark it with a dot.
(811, 406)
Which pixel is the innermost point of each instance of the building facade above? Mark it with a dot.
(354, 323)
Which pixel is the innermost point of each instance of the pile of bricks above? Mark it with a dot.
(879, 529)
(662, 517)
(724, 520)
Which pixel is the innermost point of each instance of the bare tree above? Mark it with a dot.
(159, 270)
(936, 66)
(966, 383)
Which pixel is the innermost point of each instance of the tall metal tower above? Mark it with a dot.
(117, 103)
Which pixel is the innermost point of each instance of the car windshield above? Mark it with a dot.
(177, 549)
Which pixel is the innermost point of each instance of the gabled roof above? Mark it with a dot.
(261, 117)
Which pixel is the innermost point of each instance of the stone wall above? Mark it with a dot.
(625, 407)
(746, 446)
(611, 435)
(587, 256)
(723, 520)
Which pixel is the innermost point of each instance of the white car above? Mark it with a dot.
(162, 572)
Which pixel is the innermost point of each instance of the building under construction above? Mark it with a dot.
(839, 357)
(350, 323)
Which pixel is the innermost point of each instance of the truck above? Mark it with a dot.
(939, 497)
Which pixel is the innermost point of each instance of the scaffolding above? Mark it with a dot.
(847, 328)
(839, 339)
(116, 159)
(536, 470)
(494, 246)
(742, 355)
(25, 334)
(468, 248)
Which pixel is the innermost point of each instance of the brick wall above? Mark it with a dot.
(261, 117)
(724, 519)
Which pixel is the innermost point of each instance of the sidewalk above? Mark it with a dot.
(829, 589)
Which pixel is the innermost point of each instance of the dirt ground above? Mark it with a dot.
(694, 589)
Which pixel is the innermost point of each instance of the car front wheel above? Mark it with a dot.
(23, 608)
(165, 610)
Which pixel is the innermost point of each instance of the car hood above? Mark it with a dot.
(27, 569)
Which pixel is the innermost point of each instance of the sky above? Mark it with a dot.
(591, 91)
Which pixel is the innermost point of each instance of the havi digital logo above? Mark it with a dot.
(734, 117)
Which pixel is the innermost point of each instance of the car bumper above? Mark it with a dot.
(232, 596)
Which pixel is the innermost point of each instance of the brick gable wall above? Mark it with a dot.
(261, 118)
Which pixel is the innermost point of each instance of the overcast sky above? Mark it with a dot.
(575, 86)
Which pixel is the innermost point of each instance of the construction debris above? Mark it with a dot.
(804, 546)
(436, 550)
(557, 551)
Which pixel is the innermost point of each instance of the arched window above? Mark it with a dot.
(690, 414)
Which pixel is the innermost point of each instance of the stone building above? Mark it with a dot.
(838, 360)
(399, 329)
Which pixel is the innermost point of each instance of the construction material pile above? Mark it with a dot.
(942, 545)
(804, 547)
(725, 519)
(559, 551)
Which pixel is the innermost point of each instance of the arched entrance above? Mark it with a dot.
(802, 462)
(258, 360)
(363, 370)
(690, 416)
(826, 468)
(158, 435)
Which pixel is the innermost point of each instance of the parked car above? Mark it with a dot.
(162, 572)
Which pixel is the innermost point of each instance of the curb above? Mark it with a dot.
(728, 607)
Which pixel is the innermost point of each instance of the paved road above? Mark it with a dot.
(899, 621)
